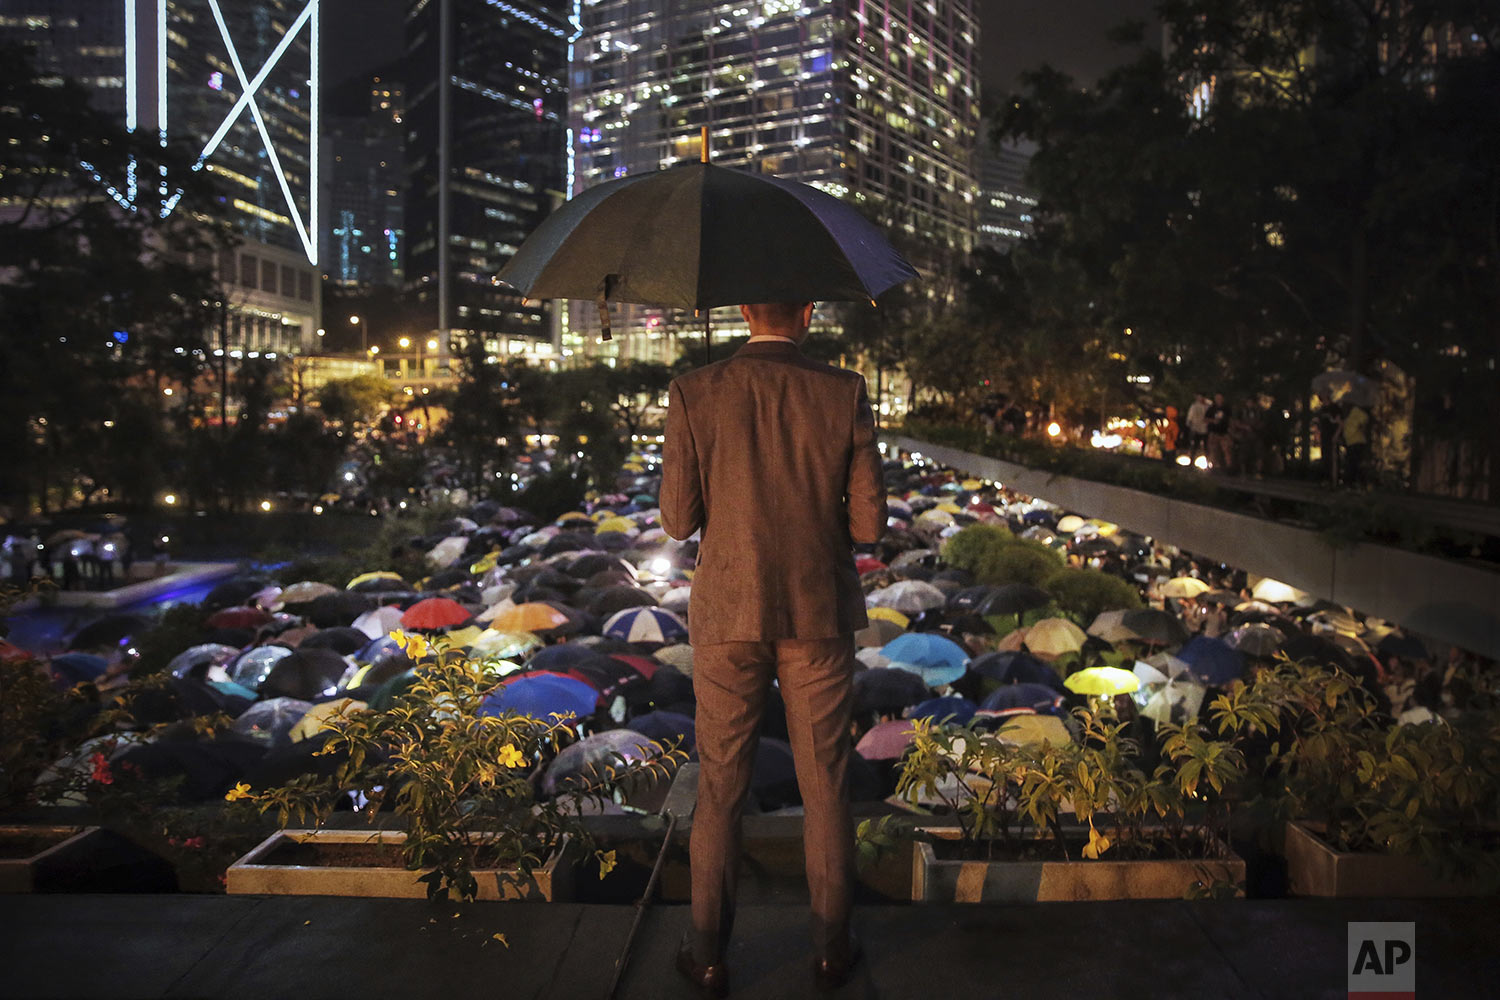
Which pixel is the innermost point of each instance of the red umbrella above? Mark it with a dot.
(867, 564)
(238, 618)
(640, 664)
(435, 613)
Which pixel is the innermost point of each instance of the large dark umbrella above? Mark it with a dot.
(1015, 668)
(344, 640)
(235, 591)
(590, 563)
(1153, 626)
(306, 674)
(108, 631)
(886, 691)
(697, 236)
(1013, 599)
(209, 768)
(1008, 697)
(607, 602)
(332, 610)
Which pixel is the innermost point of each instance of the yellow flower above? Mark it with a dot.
(239, 791)
(606, 862)
(415, 646)
(511, 757)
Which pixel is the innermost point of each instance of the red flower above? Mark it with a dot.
(101, 773)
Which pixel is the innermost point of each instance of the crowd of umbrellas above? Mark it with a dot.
(585, 619)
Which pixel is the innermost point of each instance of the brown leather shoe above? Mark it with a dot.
(708, 980)
(832, 971)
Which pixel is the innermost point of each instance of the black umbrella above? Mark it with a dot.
(108, 631)
(590, 563)
(234, 592)
(332, 610)
(607, 602)
(570, 541)
(1015, 668)
(305, 674)
(209, 768)
(697, 236)
(1403, 647)
(888, 691)
(1013, 599)
(343, 640)
(968, 600)
(1151, 625)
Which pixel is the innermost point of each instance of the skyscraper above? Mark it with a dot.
(1007, 207)
(235, 81)
(873, 101)
(364, 170)
(486, 100)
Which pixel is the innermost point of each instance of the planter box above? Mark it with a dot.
(934, 880)
(43, 854)
(259, 873)
(1315, 869)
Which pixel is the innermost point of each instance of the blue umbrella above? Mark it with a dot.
(1016, 668)
(560, 657)
(936, 659)
(1213, 661)
(541, 696)
(1033, 697)
(950, 709)
(645, 625)
(76, 668)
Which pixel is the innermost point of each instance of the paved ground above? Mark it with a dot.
(127, 946)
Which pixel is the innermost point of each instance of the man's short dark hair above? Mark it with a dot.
(777, 316)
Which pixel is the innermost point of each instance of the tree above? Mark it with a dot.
(357, 400)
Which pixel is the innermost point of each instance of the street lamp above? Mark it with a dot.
(364, 333)
(405, 344)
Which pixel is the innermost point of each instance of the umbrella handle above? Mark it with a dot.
(605, 287)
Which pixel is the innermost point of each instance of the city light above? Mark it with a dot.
(317, 508)
(170, 499)
(1054, 429)
(265, 505)
(432, 345)
(405, 342)
(660, 567)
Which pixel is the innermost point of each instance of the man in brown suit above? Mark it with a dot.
(773, 458)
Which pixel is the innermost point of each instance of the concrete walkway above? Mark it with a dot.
(125, 946)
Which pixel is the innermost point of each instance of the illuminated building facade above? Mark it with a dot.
(873, 101)
(484, 148)
(1007, 209)
(364, 170)
(236, 80)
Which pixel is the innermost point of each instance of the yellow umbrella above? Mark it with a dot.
(492, 642)
(485, 563)
(464, 636)
(636, 467)
(382, 576)
(1026, 730)
(572, 516)
(322, 715)
(935, 515)
(889, 614)
(1103, 680)
(1105, 528)
(949, 507)
(1069, 524)
(1183, 586)
(972, 484)
(622, 524)
(530, 617)
(1054, 637)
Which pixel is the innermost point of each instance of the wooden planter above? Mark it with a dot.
(259, 873)
(1314, 868)
(48, 854)
(934, 880)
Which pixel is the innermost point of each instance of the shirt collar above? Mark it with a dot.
(770, 338)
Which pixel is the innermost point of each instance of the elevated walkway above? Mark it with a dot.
(1441, 598)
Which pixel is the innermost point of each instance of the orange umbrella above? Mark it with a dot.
(534, 616)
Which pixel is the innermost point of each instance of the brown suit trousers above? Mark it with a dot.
(773, 458)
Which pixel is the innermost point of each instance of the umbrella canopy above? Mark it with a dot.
(200, 659)
(593, 755)
(307, 673)
(1023, 697)
(1183, 586)
(533, 616)
(886, 740)
(1275, 592)
(1256, 639)
(1032, 729)
(271, 721)
(241, 617)
(377, 581)
(612, 600)
(542, 696)
(435, 613)
(337, 609)
(380, 622)
(889, 615)
(231, 592)
(1403, 647)
(1154, 626)
(1211, 660)
(950, 709)
(1054, 637)
(934, 658)
(1102, 681)
(645, 625)
(345, 641)
(910, 597)
(877, 633)
(1015, 668)
(1013, 599)
(305, 592)
(697, 236)
(888, 691)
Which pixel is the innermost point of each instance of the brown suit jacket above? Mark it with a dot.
(773, 456)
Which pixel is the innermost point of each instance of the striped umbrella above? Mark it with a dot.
(645, 625)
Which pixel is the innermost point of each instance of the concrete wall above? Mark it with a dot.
(1441, 598)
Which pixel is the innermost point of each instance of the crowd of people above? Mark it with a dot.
(599, 597)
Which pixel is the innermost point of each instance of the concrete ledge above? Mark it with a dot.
(182, 575)
(1434, 597)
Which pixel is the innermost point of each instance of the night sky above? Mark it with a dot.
(1015, 35)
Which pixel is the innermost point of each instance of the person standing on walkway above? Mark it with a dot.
(772, 457)
(1220, 448)
(1354, 433)
(1197, 426)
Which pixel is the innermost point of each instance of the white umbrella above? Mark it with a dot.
(910, 597)
(447, 552)
(1275, 592)
(1183, 586)
(379, 622)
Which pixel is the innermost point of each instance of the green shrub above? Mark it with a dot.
(968, 549)
(1018, 561)
(1085, 593)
